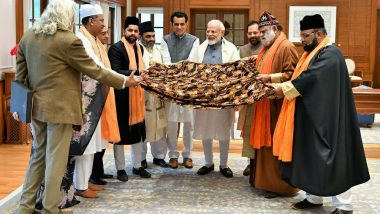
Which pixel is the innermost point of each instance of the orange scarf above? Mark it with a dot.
(110, 127)
(260, 129)
(136, 95)
(283, 134)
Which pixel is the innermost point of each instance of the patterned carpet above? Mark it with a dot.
(372, 135)
(183, 191)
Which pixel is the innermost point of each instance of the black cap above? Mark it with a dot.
(131, 20)
(146, 27)
(312, 22)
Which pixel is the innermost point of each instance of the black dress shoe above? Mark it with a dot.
(122, 175)
(142, 172)
(247, 170)
(160, 162)
(205, 170)
(270, 195)
(144, 164)
(305, 204)
(98, 181)
(226, 172)
(339, 211)
(106, 176)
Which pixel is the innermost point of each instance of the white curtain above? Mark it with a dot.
(26, 6)
(118, 23)
(106, 11)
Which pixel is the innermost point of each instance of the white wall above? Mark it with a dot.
(7, 34)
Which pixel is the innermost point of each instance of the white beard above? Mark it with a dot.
(268, 37)
(213, 41)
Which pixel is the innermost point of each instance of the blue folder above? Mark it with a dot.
(21, 101)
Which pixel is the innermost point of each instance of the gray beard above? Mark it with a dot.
(147, 45)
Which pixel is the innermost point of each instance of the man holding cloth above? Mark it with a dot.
(215, 124)
(276, 63)
(317, 136)
(126, 58)
(249, 50)
(50, 60)
(175, 47)
(155, 117)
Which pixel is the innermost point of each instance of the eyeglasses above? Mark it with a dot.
(305, 35)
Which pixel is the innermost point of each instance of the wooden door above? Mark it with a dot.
(235, 22)
(376, 76)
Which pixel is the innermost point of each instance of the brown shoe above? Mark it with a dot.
(95, 187)
(173, 163)
(86, 193)
(188, 163)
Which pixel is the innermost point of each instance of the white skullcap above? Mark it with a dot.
(87, 10)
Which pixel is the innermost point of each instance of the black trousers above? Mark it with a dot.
(97, 167)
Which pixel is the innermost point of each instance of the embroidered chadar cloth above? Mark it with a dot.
(94, 95)
(206, 86)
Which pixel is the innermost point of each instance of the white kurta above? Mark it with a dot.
(215, 124)
(155, 116)
(178, 113)
(95, 144)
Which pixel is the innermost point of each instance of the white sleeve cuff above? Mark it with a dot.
(289, 90)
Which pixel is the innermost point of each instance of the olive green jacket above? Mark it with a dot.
(51, 65)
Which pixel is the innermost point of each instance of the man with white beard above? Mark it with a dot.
(215, 124)
(276, 63)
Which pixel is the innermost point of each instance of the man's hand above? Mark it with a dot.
(132, 80)
(15, 116)
(263, 77)
(141, 72)
(278, 93)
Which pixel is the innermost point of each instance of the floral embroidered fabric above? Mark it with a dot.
(94, 95)
(206, 86)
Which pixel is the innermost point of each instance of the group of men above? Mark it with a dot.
(291, 143)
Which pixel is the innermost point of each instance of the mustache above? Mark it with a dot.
(131, 39)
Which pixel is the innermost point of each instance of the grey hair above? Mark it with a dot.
(221, 25)
(59, 14)
(322, 30)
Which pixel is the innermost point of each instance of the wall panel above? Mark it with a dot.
(356, 22)
(219, 3)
